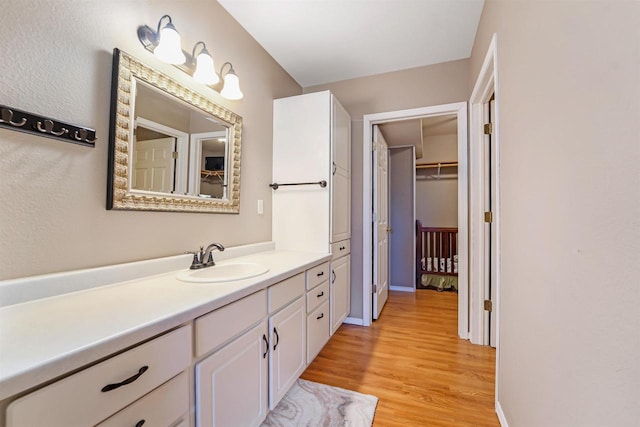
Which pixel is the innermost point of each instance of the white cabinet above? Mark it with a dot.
(288, 349)
(311, 143)
(340, 291)
(95, 393)
(231, 384)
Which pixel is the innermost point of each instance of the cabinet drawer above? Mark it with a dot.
(317, 331)
(317, 275)
(219, 326)
(340, 249)
(317, 296)
(79, 399)
(284, 292)
(167, 405)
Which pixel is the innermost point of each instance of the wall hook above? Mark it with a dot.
(81, 135)
(48, 128)
(7, 117)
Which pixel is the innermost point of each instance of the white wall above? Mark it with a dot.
(56, 61)
(569, 106)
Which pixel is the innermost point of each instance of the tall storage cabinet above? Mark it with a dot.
(311, 144)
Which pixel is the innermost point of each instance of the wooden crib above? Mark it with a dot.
(436, 257)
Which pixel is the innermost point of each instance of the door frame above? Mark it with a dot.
(486, 84)
(460, 109)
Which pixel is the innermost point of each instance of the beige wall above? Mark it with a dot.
(437, 199)
(56, 61)
(569, 109)
(417, 87)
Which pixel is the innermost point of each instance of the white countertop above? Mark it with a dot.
(44, 339)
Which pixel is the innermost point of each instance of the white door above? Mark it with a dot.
(153, 165)
(380, 221)
(288, 350)
(231, 384)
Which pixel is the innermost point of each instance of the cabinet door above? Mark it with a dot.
(341, 207)
(231, 384)
(288, 349)
(340, 291)
(341, 173)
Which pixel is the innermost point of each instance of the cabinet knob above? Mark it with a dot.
(140, 423)
(320, 294)
(320, 274)
(320, 317)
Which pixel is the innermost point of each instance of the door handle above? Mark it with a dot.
(129, 380)
(266, 346)
(275, 331)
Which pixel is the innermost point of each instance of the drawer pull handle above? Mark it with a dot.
(266, 349)
(320, 317)
(333, 277)
(321, 294)
(342, 248)
(140, 423)
(110, 387)
(275, 331)
(320, 274)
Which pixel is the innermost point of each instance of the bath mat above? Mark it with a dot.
(310, 404)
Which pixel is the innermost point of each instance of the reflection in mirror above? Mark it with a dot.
(171, 148)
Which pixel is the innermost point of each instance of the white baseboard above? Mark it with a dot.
(354, 321)
(501, 417)
(402, 288)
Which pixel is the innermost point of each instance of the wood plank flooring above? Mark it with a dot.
(413, 361)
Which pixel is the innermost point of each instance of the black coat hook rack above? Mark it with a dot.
(21, 121)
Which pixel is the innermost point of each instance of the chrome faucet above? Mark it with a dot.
(204, 258)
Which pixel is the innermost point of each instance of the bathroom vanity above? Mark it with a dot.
(156, 350)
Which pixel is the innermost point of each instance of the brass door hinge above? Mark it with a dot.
(488, 217)
(488, 129)
(174, 155)
(488, 305)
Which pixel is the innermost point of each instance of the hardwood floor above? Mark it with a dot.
(413, 361)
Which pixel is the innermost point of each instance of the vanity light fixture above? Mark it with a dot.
(165, 45)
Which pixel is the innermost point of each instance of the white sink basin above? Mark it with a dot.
(223, 273)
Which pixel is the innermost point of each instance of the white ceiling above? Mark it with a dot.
(323, 41)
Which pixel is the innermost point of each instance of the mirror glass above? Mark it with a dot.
(171, 148)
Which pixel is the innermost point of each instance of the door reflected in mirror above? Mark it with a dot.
(176, 148)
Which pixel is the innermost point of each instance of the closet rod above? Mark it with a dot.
(436, 165)
(322, 184)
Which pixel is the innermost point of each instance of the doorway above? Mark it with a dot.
(460, 110)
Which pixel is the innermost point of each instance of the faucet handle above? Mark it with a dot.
(195, 263)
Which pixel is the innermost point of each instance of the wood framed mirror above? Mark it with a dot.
(170, 148)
